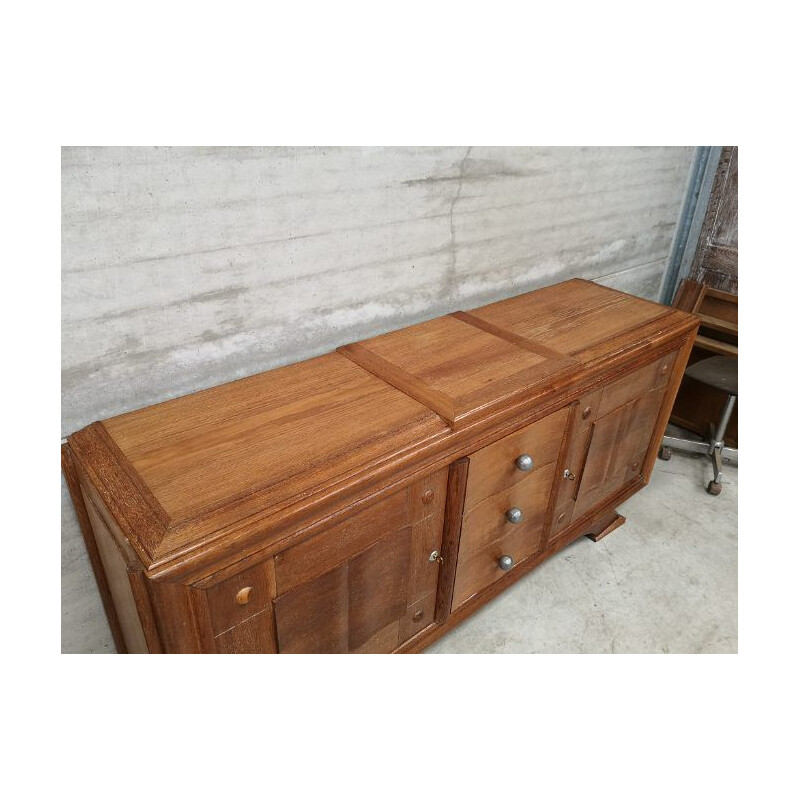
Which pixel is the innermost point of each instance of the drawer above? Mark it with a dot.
(500, 465)
(237, 599)
(487, 534)
(651, 376)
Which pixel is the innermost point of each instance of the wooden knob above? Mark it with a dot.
(418, 616)
(587, 412)
(243, 595)
(427, 497)
(635, 465)
(664, 368)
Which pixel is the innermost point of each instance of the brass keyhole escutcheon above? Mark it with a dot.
(243, 595)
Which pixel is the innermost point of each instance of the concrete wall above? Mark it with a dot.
(186, 267)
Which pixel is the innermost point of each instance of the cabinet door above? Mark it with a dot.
(620, 436)
(367, 584)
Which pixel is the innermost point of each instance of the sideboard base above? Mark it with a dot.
(610, 528)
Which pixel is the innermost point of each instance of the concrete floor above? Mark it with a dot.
(665, 582)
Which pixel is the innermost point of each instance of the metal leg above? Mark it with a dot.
(725, 419)
(717, 445)
(716, 461)
(685, 444)
(713, 447)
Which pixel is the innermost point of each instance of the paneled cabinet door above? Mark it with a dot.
(367, 584)
(619, 436)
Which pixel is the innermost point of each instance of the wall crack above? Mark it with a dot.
(452, 275)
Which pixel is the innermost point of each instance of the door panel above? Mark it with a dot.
(611, 432)
(313, 617)
(617, 448)
(652, 376)
(377, 588)
(583, 418)
(374, 599)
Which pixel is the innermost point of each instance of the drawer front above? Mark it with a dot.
(654, 375)
(500, 466)
(487, 534)
(237, 599)
(498, 487)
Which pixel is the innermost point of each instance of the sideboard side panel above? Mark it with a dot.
(116, 572)
(73, 484)
(678, 368)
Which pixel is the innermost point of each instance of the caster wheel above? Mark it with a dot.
(665, 453)
(714, 487)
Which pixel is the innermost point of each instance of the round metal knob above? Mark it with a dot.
(505, 562)
(514, 515)
(569, 474)
(525, 462)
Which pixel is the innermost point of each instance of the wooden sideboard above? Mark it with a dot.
(368, 500)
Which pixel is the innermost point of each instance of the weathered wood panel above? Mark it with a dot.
(716, 262)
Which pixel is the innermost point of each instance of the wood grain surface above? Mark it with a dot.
(373, 488)
(494, 486)
(369, 586)
(494, 468)
(456, 369)
(576, 318)
(221, 473)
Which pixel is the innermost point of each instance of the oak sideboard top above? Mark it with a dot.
(195, 482)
